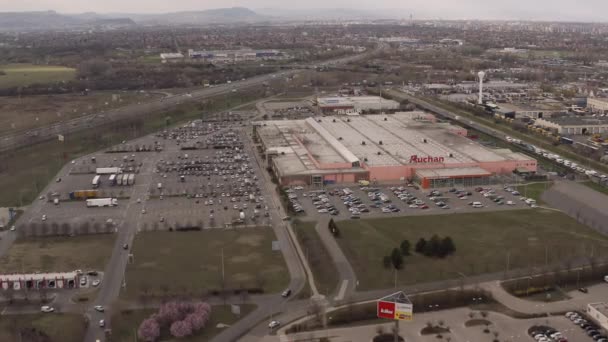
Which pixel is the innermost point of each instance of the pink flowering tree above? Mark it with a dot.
(181, 329)
(149, 330)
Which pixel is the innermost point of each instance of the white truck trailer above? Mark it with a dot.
(102, 202)
(107, 170)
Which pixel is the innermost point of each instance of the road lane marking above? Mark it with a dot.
(342, 291)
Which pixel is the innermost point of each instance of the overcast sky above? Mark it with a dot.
(587, 10)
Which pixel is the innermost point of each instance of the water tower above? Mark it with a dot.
(481, 75)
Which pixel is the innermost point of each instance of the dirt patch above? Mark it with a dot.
(245, 258)
(241, 277)
(253, 240)
(148, 265)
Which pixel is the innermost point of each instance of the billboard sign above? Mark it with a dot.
(386, 310)
(395, 307)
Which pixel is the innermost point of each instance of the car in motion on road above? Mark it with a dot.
(102, 323)
(286, 293)
(47, 309)
(274, 324)
(99, 308)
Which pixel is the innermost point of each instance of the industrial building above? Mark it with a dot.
(599, 313)
(384, 148)
(597, 105)
(236, 56)
(575, 125)
(531, 111)
(66, 280)
(355, 104)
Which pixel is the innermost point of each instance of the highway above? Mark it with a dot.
(16, 140)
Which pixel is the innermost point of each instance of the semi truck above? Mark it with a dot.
(95, 182)
(108, 170)
(83, 194)
(102, 202)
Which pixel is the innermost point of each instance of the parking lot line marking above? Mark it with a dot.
(342, 291)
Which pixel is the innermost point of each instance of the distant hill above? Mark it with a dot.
(220, 15)
(51, 20)
(331, 14)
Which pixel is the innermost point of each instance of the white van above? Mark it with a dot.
(477, 205)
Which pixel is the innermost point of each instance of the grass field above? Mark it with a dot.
(58, 254)
(482, 242)
(125, 324)
(192, 262)
(27, 112)
(58, 327)
(20, 75)
(325, 273)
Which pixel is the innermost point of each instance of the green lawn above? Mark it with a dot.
(125, 323)
(482, 242)
(58, 327)
(58, 254)
(534, 190)
(323, 269)
(20, 75)
(178, 262)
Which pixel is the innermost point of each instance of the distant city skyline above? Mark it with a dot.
(557, 10)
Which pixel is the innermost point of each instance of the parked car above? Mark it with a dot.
(47, 309)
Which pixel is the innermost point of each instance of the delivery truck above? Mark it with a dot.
(102, 202)
(83, 194)
(108, 170)
(95, 182)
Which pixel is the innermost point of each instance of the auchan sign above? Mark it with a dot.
(395, 311)
(427, 159)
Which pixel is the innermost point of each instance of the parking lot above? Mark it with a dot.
(384, 200)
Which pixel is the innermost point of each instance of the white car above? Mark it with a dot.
(99, 308)
(47, 309)
(102, 323)
(274, 324)
(96, 283)
(510, 203)
(43, 217)
(13, 228)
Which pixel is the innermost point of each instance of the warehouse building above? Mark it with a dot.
(575, 125)
(535, 111)
(597, 105)
(384, 148)
(236, 56)
(355, 104)
(66, 280)
(599, 313)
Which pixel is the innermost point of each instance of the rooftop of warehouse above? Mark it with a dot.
(579, 120)
(376, 140)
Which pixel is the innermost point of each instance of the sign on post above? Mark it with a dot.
(395, 307)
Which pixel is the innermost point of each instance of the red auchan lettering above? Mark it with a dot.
(428, 159)
(386, 310)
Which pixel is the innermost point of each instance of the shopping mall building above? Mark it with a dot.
(408, 146)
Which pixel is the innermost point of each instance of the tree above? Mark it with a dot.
(405, 247)
(386, 261)
(397, 259)
(432, 248)
(420, 246)
(149, 330)
(447, 247)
